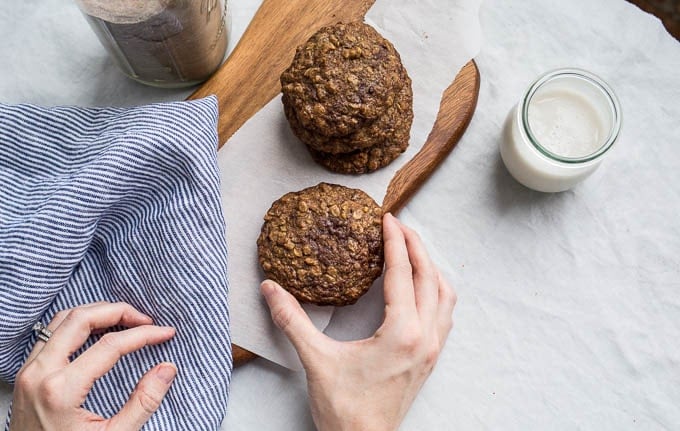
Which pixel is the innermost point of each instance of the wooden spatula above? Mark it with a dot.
(455, 112)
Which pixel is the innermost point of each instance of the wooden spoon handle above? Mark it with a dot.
(455, 112)
(249, 78)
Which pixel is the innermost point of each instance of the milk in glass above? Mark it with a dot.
(560, 131)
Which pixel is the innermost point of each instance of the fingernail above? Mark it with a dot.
(267, 288)
(394, 219)
(166, 373)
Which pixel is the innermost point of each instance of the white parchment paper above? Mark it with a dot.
(568, 314)
(264, 160)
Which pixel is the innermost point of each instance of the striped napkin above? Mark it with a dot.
(119, 204)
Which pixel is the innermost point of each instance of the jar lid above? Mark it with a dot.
(123, 11)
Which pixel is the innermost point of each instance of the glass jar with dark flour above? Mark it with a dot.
(164, 43)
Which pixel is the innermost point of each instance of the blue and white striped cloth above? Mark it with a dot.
(119, 204)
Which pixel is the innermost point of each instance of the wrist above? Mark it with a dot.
(356, 423)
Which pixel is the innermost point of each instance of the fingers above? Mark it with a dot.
(76, 327)
(289, 316)
(447, 301)
(398, 282)
(60, 388)
(433, 296)
(425, 275)
(53, 325)
(145, 399)
(103, 355)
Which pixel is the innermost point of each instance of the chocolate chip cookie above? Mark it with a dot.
(349, 99)
(323, 244)
(391, 138)
(391, 129)
(343, 77)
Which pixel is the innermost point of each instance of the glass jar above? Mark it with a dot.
(560, 131)
(163, 43)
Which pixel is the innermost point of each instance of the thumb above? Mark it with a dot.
(289, 316)
(146, 398)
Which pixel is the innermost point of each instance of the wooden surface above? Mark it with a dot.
(249, 79)
(668, 11)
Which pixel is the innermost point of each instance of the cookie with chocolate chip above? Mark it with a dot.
(344, 77)
(391, 129)
(360, 161)
(323, 244)
(391, 138)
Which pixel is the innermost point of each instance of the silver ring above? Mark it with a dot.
(42, 332)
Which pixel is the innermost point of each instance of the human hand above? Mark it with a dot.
(370, 384)
(50, 389)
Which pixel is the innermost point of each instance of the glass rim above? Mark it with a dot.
(591, 79)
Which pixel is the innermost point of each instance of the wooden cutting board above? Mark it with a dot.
(249, 79)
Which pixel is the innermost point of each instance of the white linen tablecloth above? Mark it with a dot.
(569, 304)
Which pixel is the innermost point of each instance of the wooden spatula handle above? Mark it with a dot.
(249, 78)
(457, 105)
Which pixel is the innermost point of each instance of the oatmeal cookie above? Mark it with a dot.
(359, 161)
(323, 244)
(343, 77)
(391, 129)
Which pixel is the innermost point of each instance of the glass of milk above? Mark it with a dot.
(561, 130)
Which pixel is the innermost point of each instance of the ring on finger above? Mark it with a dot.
(42, 331)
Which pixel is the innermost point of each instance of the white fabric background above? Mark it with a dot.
(569, 304)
